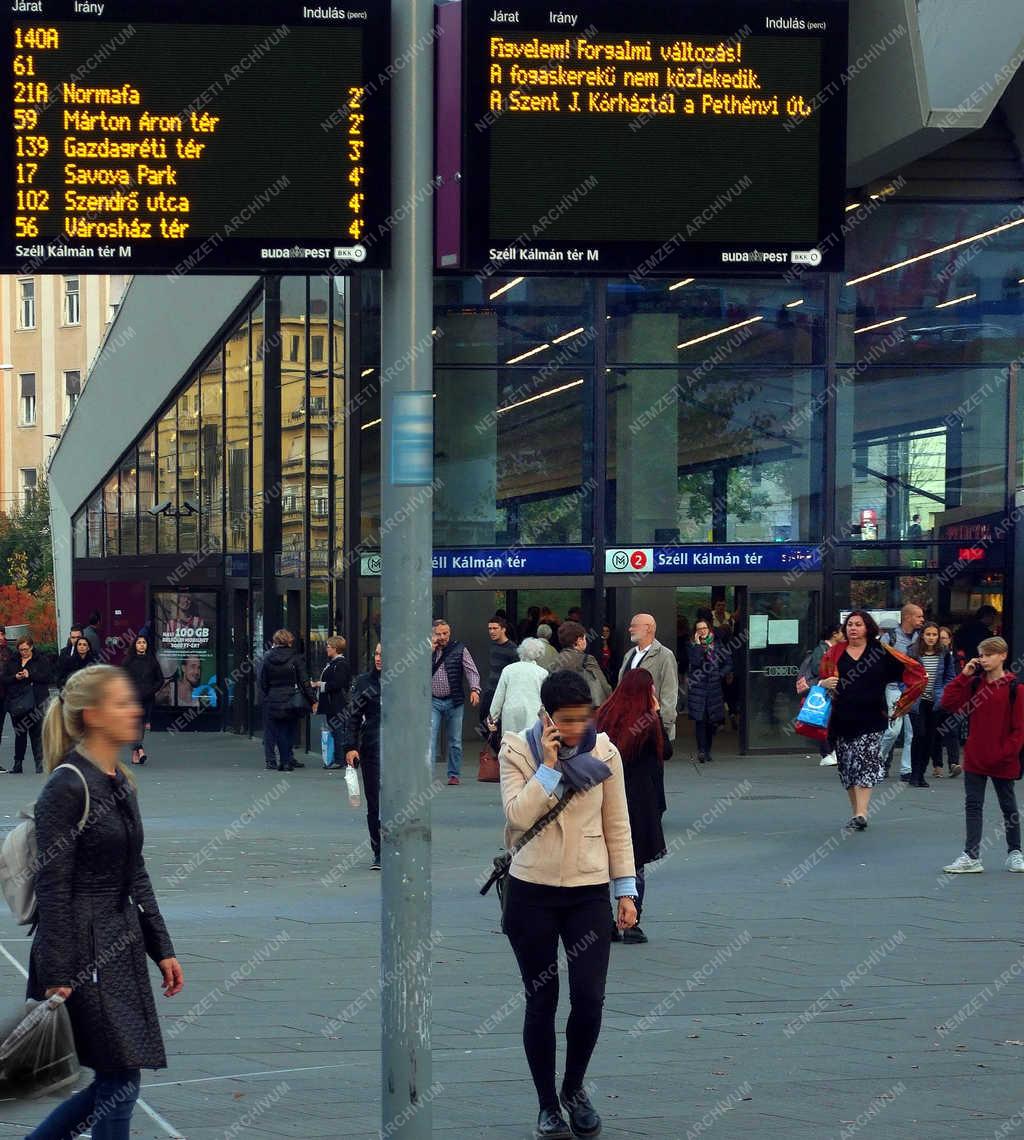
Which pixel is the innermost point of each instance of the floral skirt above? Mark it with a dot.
(859, 760)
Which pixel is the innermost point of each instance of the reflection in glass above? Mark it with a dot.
(236, 435)
(291, 559)
(129, 503)
(147, 493)
(910, 460)
(712, 455)
(167, 478)
(318, 401)
(188, 467)
(212, 457)
(94, 516)
(111, 525)
(259, 491)
(339, 420)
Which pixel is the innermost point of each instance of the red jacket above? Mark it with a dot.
(996, 733)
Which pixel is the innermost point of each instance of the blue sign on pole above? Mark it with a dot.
(412, 438)
(704, 559)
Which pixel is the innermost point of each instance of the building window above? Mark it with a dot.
(316, 348)
(293, 349)
(72, 389)
(72, 309)
(29, 483)
(27, 303)
(28, 399)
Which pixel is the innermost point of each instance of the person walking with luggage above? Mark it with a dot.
(926, 713)
(988, 695)
(287, 695)
(631, 718)
(361, 746)
(27, 680)
(709, 663)
(857, 672)
(557, 887)
(452, 668)
(147, 676)
(332, 696)
(98, 915)
(502, 654)
(517, 697)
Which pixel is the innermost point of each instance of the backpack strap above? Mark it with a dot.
(85, 785)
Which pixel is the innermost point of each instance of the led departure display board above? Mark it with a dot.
(154, 135)
(653, 136)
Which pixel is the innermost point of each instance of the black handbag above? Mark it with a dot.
(298, 703)
(499, 875)
(21, 701)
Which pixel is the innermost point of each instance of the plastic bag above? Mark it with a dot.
(327, 746)
(352, 784)
(816, 708)
(37, 1050)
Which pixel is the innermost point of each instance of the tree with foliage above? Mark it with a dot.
(26, 569)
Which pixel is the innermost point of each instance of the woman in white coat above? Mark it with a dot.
(517, 697)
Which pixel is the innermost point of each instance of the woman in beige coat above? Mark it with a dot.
(558, 886)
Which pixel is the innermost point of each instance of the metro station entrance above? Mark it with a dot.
(768, 624)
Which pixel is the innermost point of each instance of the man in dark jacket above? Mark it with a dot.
(972, 633)
(362, 745)
(282, 674)
(332, 700)
(91, 633)
(503, 652)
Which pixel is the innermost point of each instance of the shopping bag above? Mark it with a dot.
(327, 746)
(37, 1050)
(352, 786)
(816, 707)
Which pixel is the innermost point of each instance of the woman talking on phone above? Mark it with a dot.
(557, 886)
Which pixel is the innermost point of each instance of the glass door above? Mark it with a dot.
(782, 627)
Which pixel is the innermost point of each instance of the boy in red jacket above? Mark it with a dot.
(987, 694)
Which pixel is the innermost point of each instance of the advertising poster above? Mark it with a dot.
(185, 626)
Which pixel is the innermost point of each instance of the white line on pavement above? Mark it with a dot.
(261, 1073)
(147, 1109)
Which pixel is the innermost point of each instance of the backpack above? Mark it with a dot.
(1014, 684)
(19, 860)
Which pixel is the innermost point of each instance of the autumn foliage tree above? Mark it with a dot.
(26, 569)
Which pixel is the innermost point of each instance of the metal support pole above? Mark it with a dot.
(406, 555)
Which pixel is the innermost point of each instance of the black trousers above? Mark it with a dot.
(947, 739)
(28, 728)
(370, 767)
(925, 744)
(537, 917)
(974, 801)
(705, 732)
(278, 740)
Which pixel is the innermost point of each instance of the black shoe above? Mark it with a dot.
(583, 1120)
(859, 822)
(39, 769)
(14, 772)
(375, 865)
(297, 764)
(634, 934)
(551, 1125)
(905, 777)
(142, 758)
(285, 767)
(701, 758)
(919, 783)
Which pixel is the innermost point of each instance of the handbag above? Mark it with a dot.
(21, 701)
(489, 771)
(503, 862)
(297, 705)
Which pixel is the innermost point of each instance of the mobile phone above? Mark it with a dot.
(547, 717)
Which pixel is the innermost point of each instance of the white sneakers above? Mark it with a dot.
(965, 865)
(828, 761)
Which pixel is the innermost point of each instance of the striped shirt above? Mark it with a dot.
(931, 663)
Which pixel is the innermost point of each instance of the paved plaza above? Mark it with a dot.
(798, 984)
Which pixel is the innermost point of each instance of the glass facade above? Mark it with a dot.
(868, 413)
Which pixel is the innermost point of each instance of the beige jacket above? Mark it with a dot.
(588, 843)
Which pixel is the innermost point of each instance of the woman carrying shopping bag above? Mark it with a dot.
(98, 916)
(856, 672)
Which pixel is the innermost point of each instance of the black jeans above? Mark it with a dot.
(25, 729)
(370, 767)
(974, 799)
(537, 917)
(947, 739)
(147, 716)
(278, 734)
(705, 732)
(924, 744)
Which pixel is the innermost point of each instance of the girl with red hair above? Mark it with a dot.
(631, 718)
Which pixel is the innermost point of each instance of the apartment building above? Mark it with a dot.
(51, 326)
